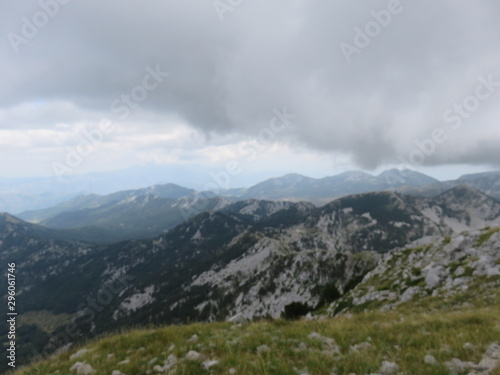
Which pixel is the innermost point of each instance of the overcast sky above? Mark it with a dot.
(314, 87)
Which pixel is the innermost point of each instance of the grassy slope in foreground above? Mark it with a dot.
(397, 336)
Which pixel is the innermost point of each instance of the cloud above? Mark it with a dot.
(226, 77)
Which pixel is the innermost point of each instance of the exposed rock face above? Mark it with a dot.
(436, 266)
(262, 282)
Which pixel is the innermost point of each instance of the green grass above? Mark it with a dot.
(446, 241)
(45, 320)
(488, 232)
(401, 336)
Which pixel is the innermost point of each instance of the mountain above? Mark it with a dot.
(142, 213)
(254, 258)
(431, 307)
(22, 194)
(399, 178)
(296, 187)
(119, 216)
(143, 216)
(488, 182)
(16, 202)
(279, 188)
(17, 196)
(40, 254)
(91, 201)
(12, 225)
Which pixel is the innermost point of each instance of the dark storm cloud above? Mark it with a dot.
(226, 76)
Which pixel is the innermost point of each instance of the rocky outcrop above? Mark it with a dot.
(432, 266)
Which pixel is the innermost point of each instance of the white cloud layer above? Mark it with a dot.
(183, 85)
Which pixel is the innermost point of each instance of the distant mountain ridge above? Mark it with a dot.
(142, 213)
(91, 201)
(320, 191)
(488, 182)
(21, 196)
(149, 212)
(297, 187)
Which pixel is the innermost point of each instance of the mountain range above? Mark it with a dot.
(21, 195)
(488, 182)
(142, 213)
(320, 191)
(149, 212)
(252, 258)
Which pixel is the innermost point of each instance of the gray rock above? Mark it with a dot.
(170, 362)
(388, 368)
(207, 365)
(237, 319)
(456, 366)
(309, 317)
(302, 347)
(86, 369)
(63, 349)
(302, 372)
(434, 276)
(361, 346)
(78, 354)
(410, 293)
(159, 368)
(82, 368)
(315, 336)
(194, 356)
(76, 365)
(263, 349)
(193, 338)
(430, 360)
(493, 351)
(327, 341)
(468, 346)
(153, 360)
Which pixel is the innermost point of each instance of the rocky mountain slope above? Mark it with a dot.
(343, 239)
(252, 258)
(432, 307)
(432, 268)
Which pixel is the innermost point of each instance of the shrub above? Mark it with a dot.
(295, 310)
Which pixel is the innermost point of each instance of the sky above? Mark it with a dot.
(249, 89)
